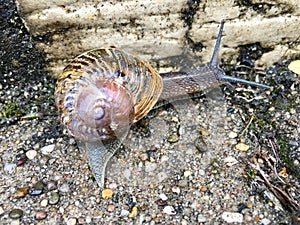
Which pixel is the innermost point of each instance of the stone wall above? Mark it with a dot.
(163, 30)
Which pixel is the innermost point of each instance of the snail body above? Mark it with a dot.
(102, 92)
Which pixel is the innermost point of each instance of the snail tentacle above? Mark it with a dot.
(219, 73)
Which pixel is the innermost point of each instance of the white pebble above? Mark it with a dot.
(164, 158)
(15, 222)
(127, 173)
(31, 154)
(265, 221)
(176, 190)
(201, 172)
(230, 161)
(112, 186)
(184, 222)
(163, 197)
(9, 168)
(231, 217)
(201, 218)
(124, 212)
(61, 210)
(242, 147)
(169, 210)
(71, 221)
(187, 173)
(64, 188)
(88, 219)
(149, 166)
(46, 150)
(232, 134)
(161, 177)
(44, 202)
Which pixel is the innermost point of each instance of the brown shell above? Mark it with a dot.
(90, 76)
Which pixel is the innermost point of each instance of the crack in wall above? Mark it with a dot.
(188, 15)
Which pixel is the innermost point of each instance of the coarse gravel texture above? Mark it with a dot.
(179, 165)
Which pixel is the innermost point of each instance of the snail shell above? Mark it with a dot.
(103, 91)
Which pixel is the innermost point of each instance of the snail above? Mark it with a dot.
(102, 92)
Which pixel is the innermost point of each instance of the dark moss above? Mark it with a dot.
(11, 110)
(263, 7)
(251, 52)
(187, 15)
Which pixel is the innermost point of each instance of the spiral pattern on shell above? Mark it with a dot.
(103, 91)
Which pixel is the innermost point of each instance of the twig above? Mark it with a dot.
(283, 197)
(247, 126)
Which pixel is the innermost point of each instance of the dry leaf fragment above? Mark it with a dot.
(295, 66)
(283, 173)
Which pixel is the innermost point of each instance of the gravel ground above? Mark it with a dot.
(201, 161)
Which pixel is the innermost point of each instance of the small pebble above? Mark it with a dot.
(232, 217)
(161, 202)
(163, 197)
(124, 213)
(54, 198)
(21, 162)
(72, 221)
(150, 166)
(173, 138)
(15, 222)
(232, 134)
(175, 119)
(88, 219)
(182, 183)
(15, 213)
(9, 168)
(230, 161)
(265, 221)
(226, 196)
(187, 173)
(65, 188)
(134, 212)
(201, 172)
(81, 220)
(31, 154)
(153, 148)
(144, 156)
(201, 218)
(21, 192)
(184, 222)
(161, 176)
(52, 185)
(271, 109)
(41, 215)
(203, 189)
(169, 210)
(113, 186)
(44, 202)
(200, 144)
(1, 211)
(176, 190)
(107, 193)
(110, 208)
(37, 189)
(204, 131)
(46, 150)
(242, 147)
